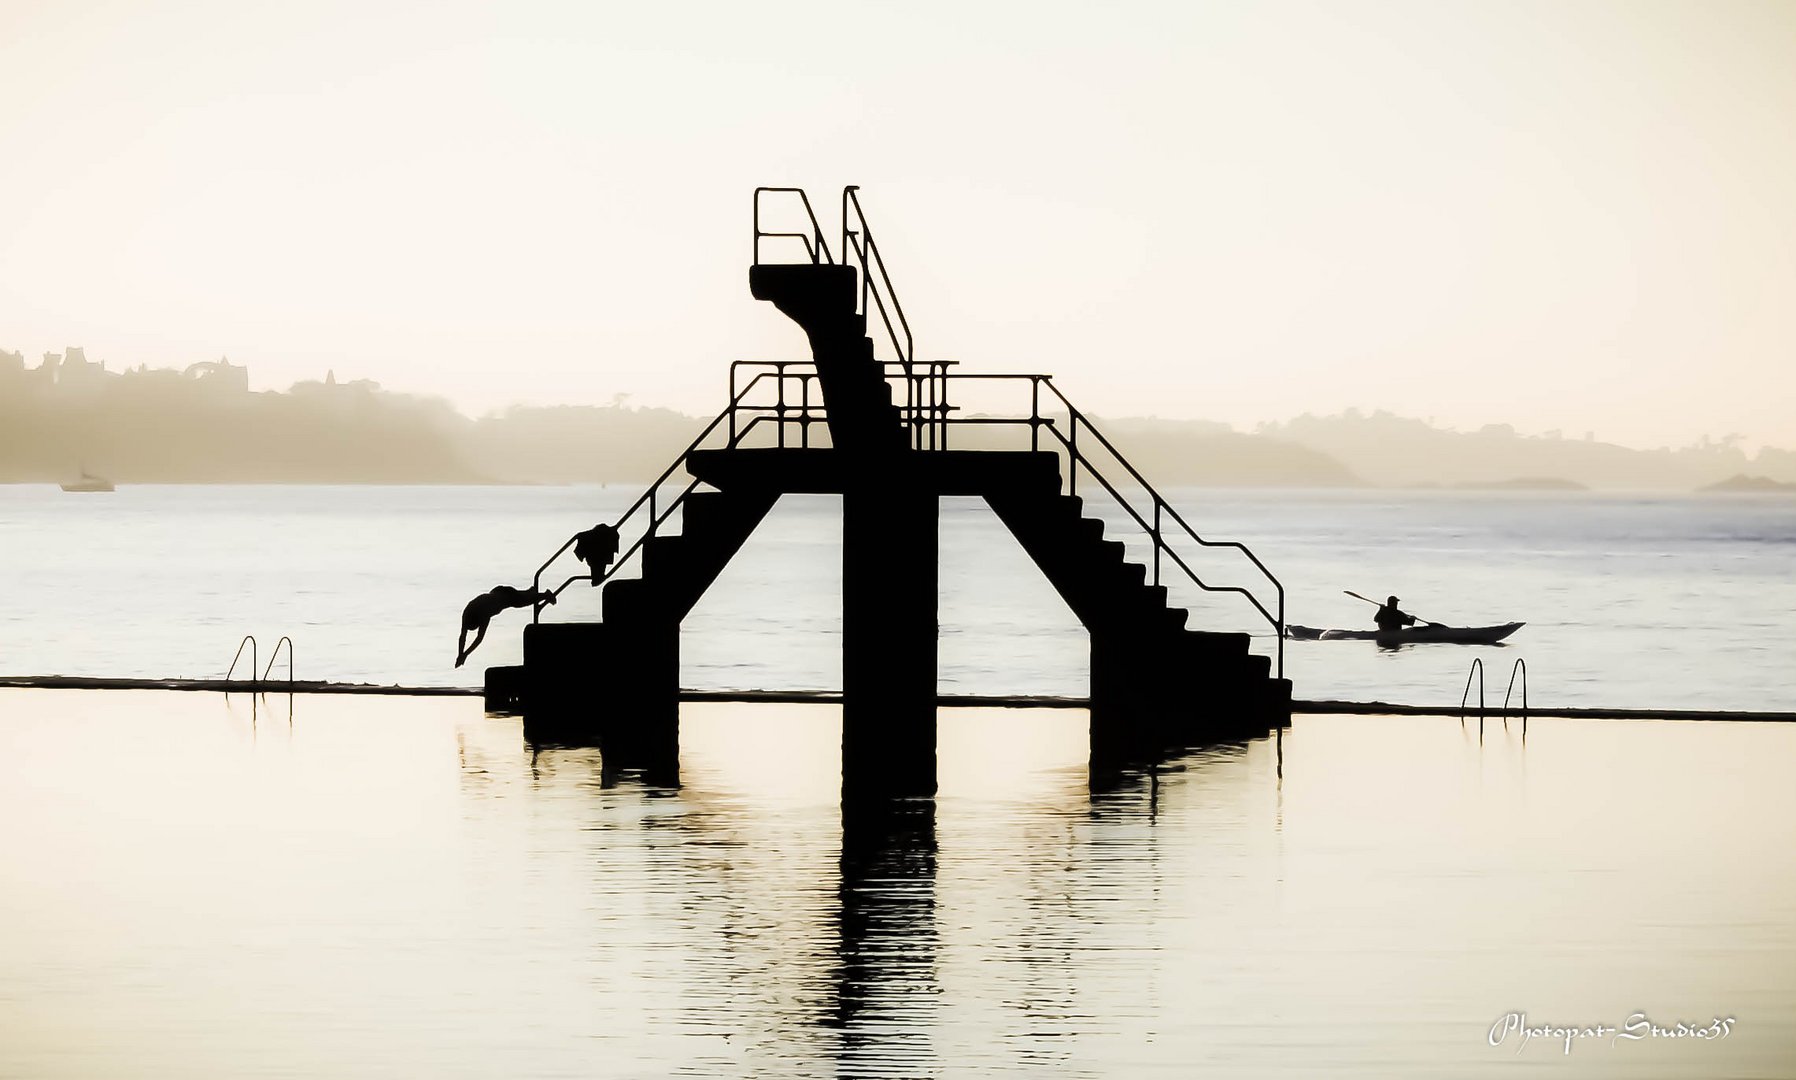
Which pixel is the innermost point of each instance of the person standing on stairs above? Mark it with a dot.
(596, 547)
(482, 608)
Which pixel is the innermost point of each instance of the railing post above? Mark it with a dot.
(1281, 629)
(779, 408)
(941, 412)
(1035, 412)
(938, 405)
(1072, 452)
(1157, 540)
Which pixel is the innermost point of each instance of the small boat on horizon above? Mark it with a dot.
(1447, 635)
(89, 482)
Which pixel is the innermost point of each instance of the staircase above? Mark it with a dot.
(677, 568)
(1147, 669)
(828, 301)
(1155, 683)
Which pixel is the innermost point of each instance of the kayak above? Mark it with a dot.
(1450, 635)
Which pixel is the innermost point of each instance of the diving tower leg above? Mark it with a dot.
(889, 577)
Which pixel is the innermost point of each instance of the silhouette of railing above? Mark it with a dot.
(650, 503)
(1162, 510)
(276, 655)
(926, 413)
(815, 247)
(1159, 521)
(924, 417)
(1520, 667)
(876, 292)
(1477, 669)
(250, 641)
(857, 237)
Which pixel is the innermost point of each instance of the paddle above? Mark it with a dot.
(1369, 600)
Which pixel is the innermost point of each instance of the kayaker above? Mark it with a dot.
(1390, 618)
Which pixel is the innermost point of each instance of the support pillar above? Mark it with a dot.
(889, 576)
(616, 687)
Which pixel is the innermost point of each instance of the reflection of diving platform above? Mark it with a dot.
(885, 436)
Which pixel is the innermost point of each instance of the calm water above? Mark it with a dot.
(401, 888)
(1629, 600)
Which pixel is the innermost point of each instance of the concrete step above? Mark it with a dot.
(1215, 643)
(663, 553)
(630, 599)
(705, 511)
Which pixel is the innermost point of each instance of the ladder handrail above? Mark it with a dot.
(814, 244)
(275, 654)
(654, 525)
(1075, 418)
(923, 412)
(250, 640)
(1519, 667)
(857, 238)
(656, 516)
(1160, 545)
(1161, 508)
(867, 254)
(1477, 669)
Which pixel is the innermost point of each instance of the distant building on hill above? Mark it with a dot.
(219, 377)
(70, 376)
(76, 375)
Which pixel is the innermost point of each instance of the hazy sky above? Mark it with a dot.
(1559, 215)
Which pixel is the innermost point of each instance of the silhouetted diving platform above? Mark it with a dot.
(820, 471)
(878, 433)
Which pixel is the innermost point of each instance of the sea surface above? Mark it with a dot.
(204, 886)
(210, 888)
(1630, 600)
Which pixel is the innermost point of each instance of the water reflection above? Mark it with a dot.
(886, 992)
(405, 888)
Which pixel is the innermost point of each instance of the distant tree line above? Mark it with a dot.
(149, 427)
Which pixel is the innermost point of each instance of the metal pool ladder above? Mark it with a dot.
(1518, 670)
(249, 642)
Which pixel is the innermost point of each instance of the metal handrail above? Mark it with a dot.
(927, 417)
(940, 419)
(860, 242)
(926, 411)
(1162, 509)
(1520, 667)
(656, 515)
(1477, 669)
(250, 640)
(814, 244)
(1154, 533)
(867, 253)
(1075, 418)
(275, 654)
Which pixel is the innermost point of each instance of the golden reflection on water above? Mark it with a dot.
(404, 887)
